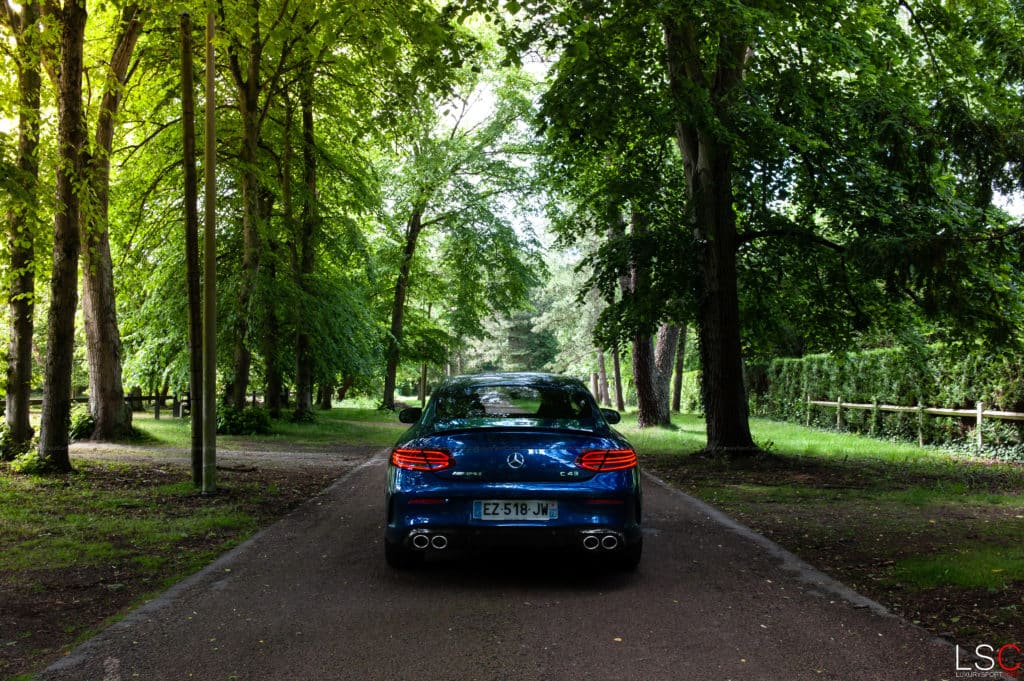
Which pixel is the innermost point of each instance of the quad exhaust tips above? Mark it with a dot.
(601, 539)
(421, 541)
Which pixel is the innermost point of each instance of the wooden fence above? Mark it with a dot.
(979, 413)
(179, 405)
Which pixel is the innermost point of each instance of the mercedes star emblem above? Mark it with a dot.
(516, 460)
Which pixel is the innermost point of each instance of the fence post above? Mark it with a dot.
(808, 412)
(977, 428)
(920, 424)
(873, 426)
(156, 409)
(839, 413)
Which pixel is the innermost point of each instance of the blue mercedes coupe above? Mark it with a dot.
(512, 460)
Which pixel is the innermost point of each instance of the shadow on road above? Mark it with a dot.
(525, 570)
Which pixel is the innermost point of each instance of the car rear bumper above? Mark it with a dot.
(613, 523)
(596, 540)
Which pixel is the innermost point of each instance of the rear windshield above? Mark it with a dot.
(499, 406)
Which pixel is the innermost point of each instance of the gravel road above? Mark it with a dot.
(310, 598)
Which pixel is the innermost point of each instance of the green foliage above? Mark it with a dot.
(247, 421)
(29, 463)
(9, 449)
(82, 423)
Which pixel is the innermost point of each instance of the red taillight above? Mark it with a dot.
(604, 460)
(421, 459)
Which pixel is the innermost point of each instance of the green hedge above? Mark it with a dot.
(934, 377)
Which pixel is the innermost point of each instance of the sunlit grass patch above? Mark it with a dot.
(974, 567)
(346, 425)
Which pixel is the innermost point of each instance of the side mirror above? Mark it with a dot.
(410, 415)
(611, 416)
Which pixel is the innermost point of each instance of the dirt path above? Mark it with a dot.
(269, 454)
(311, 598)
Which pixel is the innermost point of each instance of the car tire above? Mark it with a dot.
(400, 558)
(629, 559)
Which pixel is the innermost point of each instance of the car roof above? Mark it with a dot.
(520, 378)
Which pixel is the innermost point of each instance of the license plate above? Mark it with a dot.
(501, 509)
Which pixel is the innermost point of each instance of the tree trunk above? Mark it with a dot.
(677, 387)
(99, 306)
(307, 246)
(346, 384)
(21, 218)
(60, 346)
(620, 401)
(273, 370)
(412, 233)
(248, 85)
(326, 392)
(161, 398)
(602, 379)
(643, 380)
(652, 373)
(194, 291)
(423, 384)
(593, 386)
(707, 162)
(664, 356)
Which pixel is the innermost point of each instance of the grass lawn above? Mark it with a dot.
(937, 538)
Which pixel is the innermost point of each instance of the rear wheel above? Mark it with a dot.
(401, 558)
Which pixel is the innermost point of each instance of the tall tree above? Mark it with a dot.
(309, 228)
(53, 432)
(458, 173)
(112, 414)
(22, 216)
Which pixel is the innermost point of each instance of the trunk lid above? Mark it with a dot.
(484, 455)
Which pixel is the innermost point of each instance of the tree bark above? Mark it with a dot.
(99, 306)
(620, 401)
(664, 356)
(248, 91)
(273, 370)
(707, 161)
(22, 228)
(327, 392)
(412, 233)
(53, 435)
(677, 386)
(643, 381)
(602, 379)
(192, 276)
(346, 384)
(308, 229)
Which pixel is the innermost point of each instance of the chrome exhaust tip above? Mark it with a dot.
(609, 542)
(420, 541)
(591, 542)
(439, 542)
